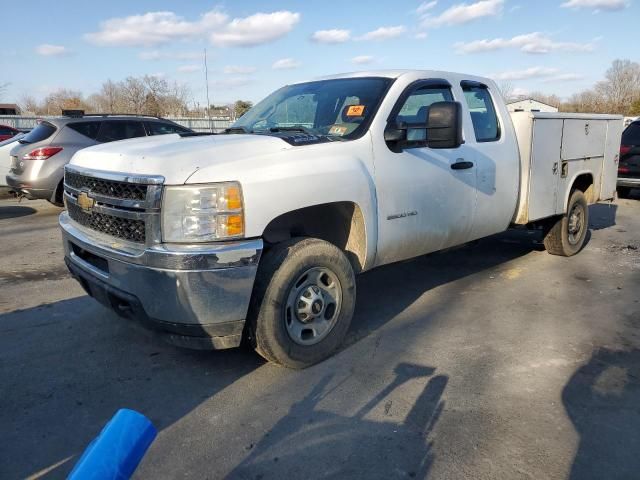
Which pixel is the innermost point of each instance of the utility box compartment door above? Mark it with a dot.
(543, 178)
(611, 160)
(583, 138)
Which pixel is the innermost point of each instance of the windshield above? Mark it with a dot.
(340, 108)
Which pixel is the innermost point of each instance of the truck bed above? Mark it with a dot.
(558, 148)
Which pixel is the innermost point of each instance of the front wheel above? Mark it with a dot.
(567, 233)
(302, 303)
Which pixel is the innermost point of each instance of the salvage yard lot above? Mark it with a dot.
(491, 360)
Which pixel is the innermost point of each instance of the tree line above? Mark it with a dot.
(617, 93)
(147, 95)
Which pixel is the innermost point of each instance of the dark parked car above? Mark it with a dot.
(38, 160)
(6, 132)
(629, 166)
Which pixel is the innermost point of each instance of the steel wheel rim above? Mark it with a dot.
(575, 224)
(313, 306)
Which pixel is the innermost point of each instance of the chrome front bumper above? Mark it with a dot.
(198, 295)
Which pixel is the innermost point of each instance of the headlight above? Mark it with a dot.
(202, 213)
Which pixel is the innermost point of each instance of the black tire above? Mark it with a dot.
(560, 238)
(624, 192)
(269, 319)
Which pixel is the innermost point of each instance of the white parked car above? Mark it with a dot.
(259, 232)
(5, 158)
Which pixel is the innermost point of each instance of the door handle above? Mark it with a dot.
(461, 165)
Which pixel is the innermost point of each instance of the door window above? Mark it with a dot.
(113, 130)
(415, 109)
(483, 113)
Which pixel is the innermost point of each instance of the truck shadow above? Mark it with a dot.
(602, 399)
(386, 291)
(14, 211)
(602, 215)
(309, 442)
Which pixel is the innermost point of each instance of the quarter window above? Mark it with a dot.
(88, 129)
(483, 113)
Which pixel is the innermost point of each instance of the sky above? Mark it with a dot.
(254, 47)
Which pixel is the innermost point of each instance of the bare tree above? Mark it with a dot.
(506, 89)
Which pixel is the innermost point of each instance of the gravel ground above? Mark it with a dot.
(494, 360)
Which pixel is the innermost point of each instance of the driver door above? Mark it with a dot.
(425, 201)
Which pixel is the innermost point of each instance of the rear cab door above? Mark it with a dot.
(495, 155)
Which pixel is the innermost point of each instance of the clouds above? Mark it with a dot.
(285, 64)
(157, 28)
(384, 33)
(533, 43)
(547, 74)
(337, 35)
(238, 69)
(459, 14)
(163, 55)
(48, 50)
(332, 36)
(255, 30)
(607, 5)
(363, 59)
(189, 68)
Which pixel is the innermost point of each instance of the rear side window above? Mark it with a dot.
(112, 130)
(88, 129)
(43, 131)
(631, 135)
(483, 113)
(160, 128)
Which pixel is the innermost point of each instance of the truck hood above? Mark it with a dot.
(174, 157)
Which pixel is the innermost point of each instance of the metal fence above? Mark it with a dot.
(197, 124)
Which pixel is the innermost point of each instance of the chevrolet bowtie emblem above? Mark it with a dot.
(85, 202)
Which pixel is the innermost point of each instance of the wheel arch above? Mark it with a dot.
(341, 223)
(583, 181)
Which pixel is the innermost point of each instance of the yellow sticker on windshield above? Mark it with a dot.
(338, 130)
(355, 111)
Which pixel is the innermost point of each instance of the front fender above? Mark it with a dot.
(304, 176)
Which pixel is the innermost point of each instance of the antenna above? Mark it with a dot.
(206, 79)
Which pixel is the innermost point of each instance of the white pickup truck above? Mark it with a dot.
(258, 233)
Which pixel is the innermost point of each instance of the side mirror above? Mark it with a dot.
(395, 133)
(444, 125)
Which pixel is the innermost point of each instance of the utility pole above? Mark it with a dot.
(206, 79)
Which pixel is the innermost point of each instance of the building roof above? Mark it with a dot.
(531, 100)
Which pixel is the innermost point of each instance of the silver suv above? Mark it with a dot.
(38, 159)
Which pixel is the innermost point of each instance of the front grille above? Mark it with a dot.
(124, 228)
(109, 188)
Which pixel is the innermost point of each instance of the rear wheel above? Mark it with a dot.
(567, 233)
(303, 302)
(623, 192)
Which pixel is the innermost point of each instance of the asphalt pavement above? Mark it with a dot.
(494, 360)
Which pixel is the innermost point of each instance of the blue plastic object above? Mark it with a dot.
(117, 451)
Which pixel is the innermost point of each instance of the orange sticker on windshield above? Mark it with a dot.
(355, 111)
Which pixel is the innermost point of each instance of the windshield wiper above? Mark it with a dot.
(292, 128)
(232, 130)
